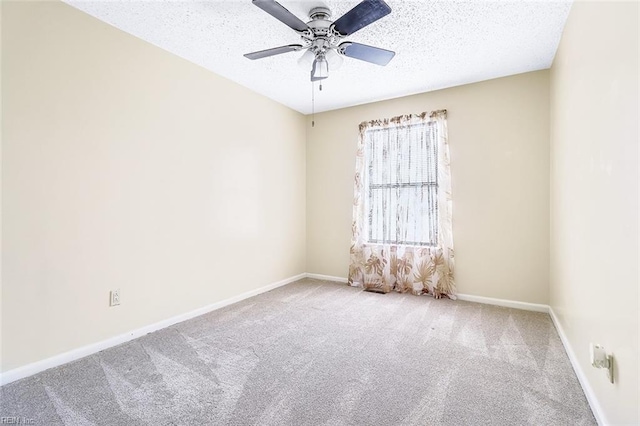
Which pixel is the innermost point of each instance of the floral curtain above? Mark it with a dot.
(401, 233)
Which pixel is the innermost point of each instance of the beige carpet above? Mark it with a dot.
(319, 353)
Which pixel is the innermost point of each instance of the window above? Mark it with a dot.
(401, 184)
(401, 231)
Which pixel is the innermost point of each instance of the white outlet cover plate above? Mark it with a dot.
(115, 297)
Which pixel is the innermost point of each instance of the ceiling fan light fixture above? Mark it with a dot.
(306, 60)
(320, 69)
(334, 59)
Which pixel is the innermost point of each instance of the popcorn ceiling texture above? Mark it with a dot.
(438, 44)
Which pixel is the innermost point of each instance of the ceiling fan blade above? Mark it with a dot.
(375, 55)
(271, 52)
(360, 16)
(279, 12)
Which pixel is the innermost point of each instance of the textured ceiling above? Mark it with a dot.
(438, 44)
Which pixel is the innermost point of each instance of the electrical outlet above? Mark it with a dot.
(114, 299)
(600, 359)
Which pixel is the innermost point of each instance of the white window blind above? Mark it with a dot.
(401, 184)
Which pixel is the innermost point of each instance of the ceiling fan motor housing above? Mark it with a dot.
(323, 37)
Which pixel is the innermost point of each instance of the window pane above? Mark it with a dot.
(402, 184)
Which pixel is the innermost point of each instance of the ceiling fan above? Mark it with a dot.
(322, 38)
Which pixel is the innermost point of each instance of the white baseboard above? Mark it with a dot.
(326, 278)
(598, 413)
(525, 306)
(63, 358)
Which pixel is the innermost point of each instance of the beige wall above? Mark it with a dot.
(594, 195)
(127, 167)
(499, 137)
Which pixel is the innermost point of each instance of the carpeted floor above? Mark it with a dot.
(320, 353)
